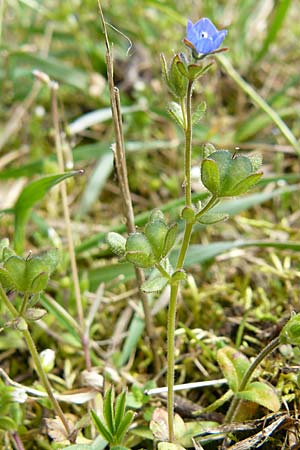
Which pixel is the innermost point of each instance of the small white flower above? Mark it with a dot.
(47, 358)
(19, 395)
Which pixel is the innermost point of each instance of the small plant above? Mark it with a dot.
(24, 279)
(222, 173)
(116, 421)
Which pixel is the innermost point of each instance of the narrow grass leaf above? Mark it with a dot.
(281, 8)
(95, 183)
(101, 428)
(31, 194)
(260, 102)
(7, 424)
(54, 68)
(61, 316)
(135, 332)
(98, 116)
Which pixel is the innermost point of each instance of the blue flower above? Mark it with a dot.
(203, 37)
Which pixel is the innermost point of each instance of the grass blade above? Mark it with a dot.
(31, 194)
(260, 102)
(281, 10)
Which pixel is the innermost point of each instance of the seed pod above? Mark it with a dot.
(139, 251)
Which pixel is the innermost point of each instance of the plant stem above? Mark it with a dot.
(24, 304)
(188, 145)
(164, 273)
(209, 205)
(171, 358)
(234, 406)
(44, 379)
(187, 115)
(7, 303)
(121, 169)
(17, 440)
(35, 356)
(64, 196)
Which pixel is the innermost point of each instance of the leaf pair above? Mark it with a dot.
(116, 420)
(226, 176)
(234, 366)
(145, 249)
(26, 275)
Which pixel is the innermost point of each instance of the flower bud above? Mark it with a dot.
(47, 358)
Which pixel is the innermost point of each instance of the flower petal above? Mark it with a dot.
(191, 34)
(206, 26)
(219, 38)
(204, 45)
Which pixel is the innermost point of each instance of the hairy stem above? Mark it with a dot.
(44, 379)
(187, 115)
(188, 145)
(35, 356)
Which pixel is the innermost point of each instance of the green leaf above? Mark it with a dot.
(212, 217)
(199, 112)
(261, 393)
(139, 250)
(6, 280)
(39, 283)
(124, 425)
(120, 405)
(175, 112)
(244, 185)
(290, 333)
(237, 169)
(62, 317)
(7, 424)
(95, 183)
(170, 239)
(55, 68)
(108, 410)
(281, 8)
(31, 194)
(154, 284)
(101, 428)
(195, 70)
(210, 176)
(256, 161)
(4, 247)
(156, 232)
(233, 365)
(117, 243)
(50, 259)
(16, 268)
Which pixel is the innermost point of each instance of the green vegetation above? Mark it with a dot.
(67, 279)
